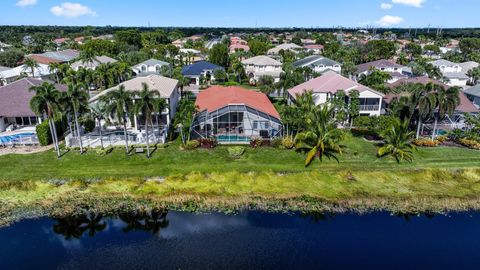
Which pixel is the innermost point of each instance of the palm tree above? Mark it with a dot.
(45, 102)
(146, 103)
(425, 100)
(119, 105)
(87, 56)
(53, 68)
(98, 111)
(447, 101)
(398, 141)
(94, 223)
(78, 100)
(322, 137)
(31, 64)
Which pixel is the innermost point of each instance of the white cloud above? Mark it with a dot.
(389, 20)
(386, 6)
(413, 3)
(72, 10)
(26, 3)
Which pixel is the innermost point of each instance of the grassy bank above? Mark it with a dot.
(439, 179)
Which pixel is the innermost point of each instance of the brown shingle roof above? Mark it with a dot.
(15, 97)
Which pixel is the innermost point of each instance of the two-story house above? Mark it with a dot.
(262, 65)
(395, 70)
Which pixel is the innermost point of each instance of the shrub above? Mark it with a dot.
(231, 83)
(276, 142)
(442, 139)
(104, 151)
(288, 142)
(373, 124)
(88, 124)
(360, 132)
(456, 134)
(256, 142)
(190, 145)
(207, 142)
(472, 144)
(43, 133)
(426, 142)
(236, 151)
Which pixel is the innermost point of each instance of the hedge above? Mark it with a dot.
(43, 131)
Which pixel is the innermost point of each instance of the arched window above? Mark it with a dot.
(144, 69)
(158, 68)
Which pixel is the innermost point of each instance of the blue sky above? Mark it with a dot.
(243, 13)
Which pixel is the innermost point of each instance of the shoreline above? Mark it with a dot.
(398, 192)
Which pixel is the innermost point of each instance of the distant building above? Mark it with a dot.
(395, 70)
(99, 60)
(262, 65)
(318, 64)
(198, 70)
(151, 66)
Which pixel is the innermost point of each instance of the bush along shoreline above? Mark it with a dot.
(440, 191)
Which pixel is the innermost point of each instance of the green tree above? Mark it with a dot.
(353, 105)
(31, 64)
(398, 141)
(258, 47)
(379, 49)
(376, 79)
(99, 112)
(220, 75)
(447, 100)
(147, 103)
(78, 98)
(219, 55)
(322, 139)
(45, 103)
(119, 105)
(266, 84)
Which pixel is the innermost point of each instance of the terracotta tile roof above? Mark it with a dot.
(43, 59)
(217, 97)
(15, 97)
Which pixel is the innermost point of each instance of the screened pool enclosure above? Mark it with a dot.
(235, 124)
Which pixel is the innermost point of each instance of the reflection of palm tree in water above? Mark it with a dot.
(151, 221)
(94, 223)
(316, 216)
(75, 226)
(408, 216)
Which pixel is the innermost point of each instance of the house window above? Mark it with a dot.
(157, 68)
(261, 124)
(144, 69)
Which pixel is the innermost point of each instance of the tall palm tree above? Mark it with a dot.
(119, 105)
(447, 101)
(146, 103)
(398, 141)
(322, 138)
(53, 68)
(425, 100)
(45, 102)
(31, 64)
(87, 56)
(78, 100)
(98, 111)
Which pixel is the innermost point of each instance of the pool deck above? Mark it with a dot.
(18, 131)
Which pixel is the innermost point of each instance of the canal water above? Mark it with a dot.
(248, 240)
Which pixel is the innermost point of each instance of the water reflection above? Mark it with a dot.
(75, 226)
(410, 216)
(146, 220)
(316, 217)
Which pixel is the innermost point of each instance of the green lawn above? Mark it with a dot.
(359, 156)
(439, 179)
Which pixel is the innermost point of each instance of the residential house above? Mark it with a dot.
(456, 120)
(285, 47)
(99, 60)
(4, 46)
(238, 44)
(262, 65)
(473, 94)
(454, 72)
(168, 90)
(318, 64)
(395, 70)
(314, 48)
(10, 75)
(151, 66)
(198, 70)
(15, 103)
(234, 115)
(325, 87)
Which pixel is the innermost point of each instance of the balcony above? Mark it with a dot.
(369, 107)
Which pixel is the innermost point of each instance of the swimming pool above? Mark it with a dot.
(16, 137)
(232, 138)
